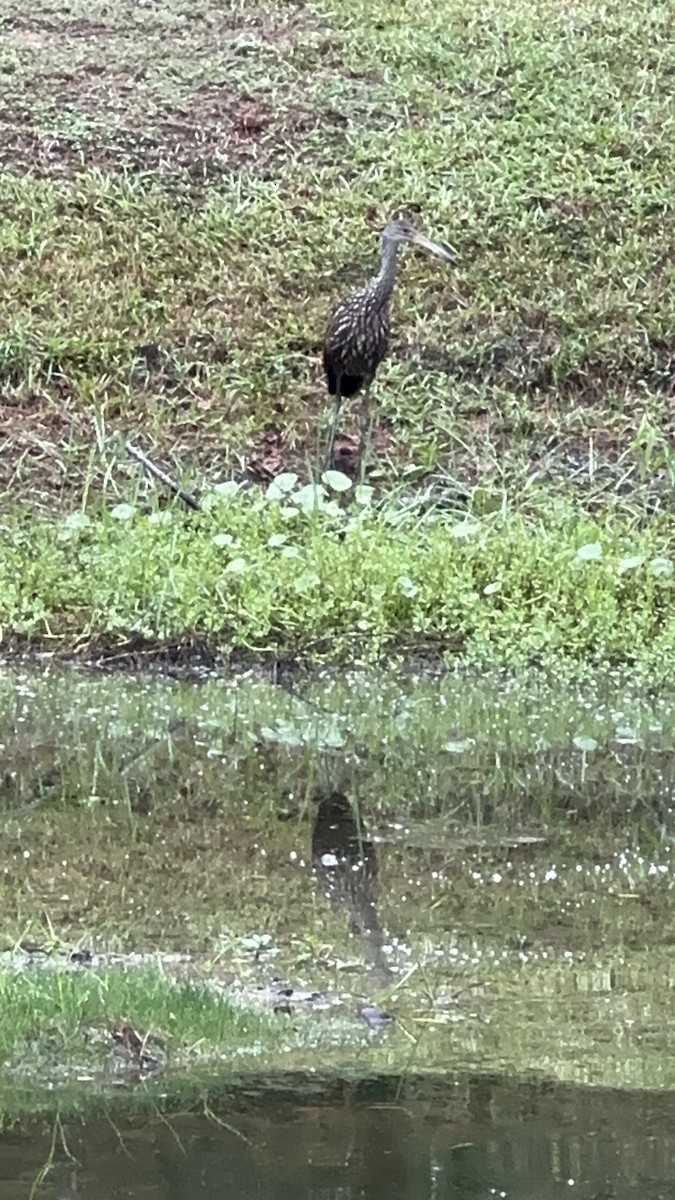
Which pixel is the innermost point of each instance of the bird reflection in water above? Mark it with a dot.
(346, 866)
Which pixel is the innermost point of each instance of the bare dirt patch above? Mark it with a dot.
(148, 89)
(27, 38)
(211, 134)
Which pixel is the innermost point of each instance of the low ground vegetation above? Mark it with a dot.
(187, 188)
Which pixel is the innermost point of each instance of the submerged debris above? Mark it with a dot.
(130, 1048)
(376, 1017)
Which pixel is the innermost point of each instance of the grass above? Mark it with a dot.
(295, 574)
(180, 221)
(100, 1026)
(65, 1048)
(53, 1015)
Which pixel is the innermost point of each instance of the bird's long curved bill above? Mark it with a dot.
(438, 248)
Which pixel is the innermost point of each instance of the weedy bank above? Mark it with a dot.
(186, 190)
(66, 1029)
(293, 573)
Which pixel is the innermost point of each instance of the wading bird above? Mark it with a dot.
(357, 338)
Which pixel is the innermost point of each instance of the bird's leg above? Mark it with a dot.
(364, 442)
(333, 424)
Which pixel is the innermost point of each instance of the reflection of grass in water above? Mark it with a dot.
(179, 789)
(480, 755)
(142, 813)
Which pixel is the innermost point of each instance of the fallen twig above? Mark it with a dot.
(186, 497)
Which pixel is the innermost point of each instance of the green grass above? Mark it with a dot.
(179, 221)
(255, 574)
(54, 1017)
(59, 1053)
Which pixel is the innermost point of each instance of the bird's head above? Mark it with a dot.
(401, 230)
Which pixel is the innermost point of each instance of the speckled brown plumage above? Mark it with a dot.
(357, 337)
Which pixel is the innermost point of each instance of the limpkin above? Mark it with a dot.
(357, 338)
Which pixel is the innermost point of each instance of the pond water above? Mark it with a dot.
(488, 859)
(379, 1138)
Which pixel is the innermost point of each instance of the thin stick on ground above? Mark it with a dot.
(186, 497)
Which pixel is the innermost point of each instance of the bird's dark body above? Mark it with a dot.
(357, 340)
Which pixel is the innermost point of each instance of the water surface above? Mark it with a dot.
(377, 1138)
(490, 859)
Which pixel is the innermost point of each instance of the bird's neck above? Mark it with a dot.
(386, 278)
